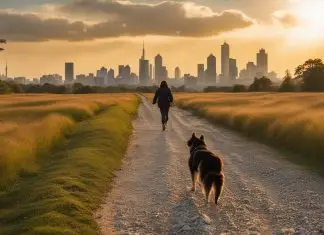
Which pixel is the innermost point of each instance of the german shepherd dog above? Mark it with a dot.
(206, 166)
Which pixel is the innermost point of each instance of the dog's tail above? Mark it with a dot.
(216, 179)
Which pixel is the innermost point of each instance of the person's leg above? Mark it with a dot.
(167, 114)
(162, 114)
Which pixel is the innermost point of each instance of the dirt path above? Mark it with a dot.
(263, 192)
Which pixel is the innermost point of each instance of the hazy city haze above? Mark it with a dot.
(42, 35)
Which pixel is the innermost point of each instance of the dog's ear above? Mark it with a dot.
(193, 134)
(202, 137)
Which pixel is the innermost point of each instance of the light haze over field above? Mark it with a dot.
(43, 34)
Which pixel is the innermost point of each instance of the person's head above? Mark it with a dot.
(164, 84)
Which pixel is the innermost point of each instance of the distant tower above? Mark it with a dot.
(144, 69)
(233, 71)
(6, 70)
(200, 72)
(151, 71)
(211, 70)
(177, 73)
(225, 59)
(69, 73)
(262, 62)
(158, 65)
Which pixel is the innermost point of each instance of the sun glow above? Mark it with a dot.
(310, 16)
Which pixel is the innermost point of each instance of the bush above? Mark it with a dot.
(239, 88)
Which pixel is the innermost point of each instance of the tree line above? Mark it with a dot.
(308, 77)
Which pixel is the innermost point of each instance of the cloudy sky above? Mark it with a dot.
(43, 34)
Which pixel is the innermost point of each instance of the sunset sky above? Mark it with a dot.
(43, 34)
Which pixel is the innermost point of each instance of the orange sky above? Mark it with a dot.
(290, 34)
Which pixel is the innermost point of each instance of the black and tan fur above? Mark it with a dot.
(205, 166)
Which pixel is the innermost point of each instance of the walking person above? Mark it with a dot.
(164, 98)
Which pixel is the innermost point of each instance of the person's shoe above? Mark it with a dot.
(163, 126)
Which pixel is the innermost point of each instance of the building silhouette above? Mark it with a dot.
(233, 71)
(177, 73)
(225, 53)
(111, 77)
(200, 73)
(211, 70)
(158, 66)
(262, 62)
(151, 71)
(69, 73)
(165, 74)
(144, 69)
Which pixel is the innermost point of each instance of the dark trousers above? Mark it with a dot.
(164, 109)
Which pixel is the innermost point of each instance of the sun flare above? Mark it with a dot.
(311, 20)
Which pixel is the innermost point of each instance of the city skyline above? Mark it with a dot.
(228, 76)
(289, 30)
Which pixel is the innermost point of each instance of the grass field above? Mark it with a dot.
(291, 122)
(57, 155)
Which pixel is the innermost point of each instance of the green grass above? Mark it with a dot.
(61, 197)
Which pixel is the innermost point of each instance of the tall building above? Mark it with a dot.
(102, 73)
(120, 70)
(151, 71)
(225, 59)
(158, 65)
(177, 73)
(165, 74)
(211, 70)
(69, 73)
(6, 70)
(200, 72)
(144, 69)
(262, 62)
(233, 71)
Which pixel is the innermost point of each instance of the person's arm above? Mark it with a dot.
(170, 96)
(156, 96)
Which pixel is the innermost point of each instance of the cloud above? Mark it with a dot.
(121, 18)
(31, 27)
(285, 18)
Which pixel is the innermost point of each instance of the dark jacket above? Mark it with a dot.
(163, 96)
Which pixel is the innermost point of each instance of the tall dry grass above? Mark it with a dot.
(32, 125)
(68, 183)
(289, 121)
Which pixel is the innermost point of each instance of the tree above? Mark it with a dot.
(311, 73)
(4, 88)
(288, 84)
(261, 84)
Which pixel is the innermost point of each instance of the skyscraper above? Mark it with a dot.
(144, 69)
(69, 73)
(120, 70)
(262, 62)
(200, 73)
(6, 70)
(225, 59)
(211, 70)
(177, 73)
(158, 65)
(151, 71)
(233, 71)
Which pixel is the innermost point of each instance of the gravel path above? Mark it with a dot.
(263, 194)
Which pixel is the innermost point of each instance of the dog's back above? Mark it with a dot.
(208, 165)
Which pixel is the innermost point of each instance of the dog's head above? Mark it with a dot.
(194, 141)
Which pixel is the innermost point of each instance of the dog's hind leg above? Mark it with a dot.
(194, 175)
(207, 183)
(219, 182)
